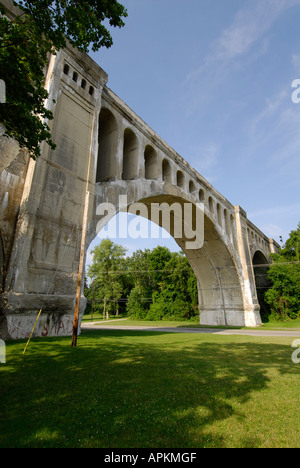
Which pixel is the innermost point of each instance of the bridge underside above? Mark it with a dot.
(222, 298)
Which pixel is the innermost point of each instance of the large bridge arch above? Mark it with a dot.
(216, 264)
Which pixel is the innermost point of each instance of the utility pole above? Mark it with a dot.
(222, 293)
(80, 272)
(92, 315)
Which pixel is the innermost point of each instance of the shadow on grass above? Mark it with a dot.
(122, 389)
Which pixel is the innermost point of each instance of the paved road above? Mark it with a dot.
(289, 333)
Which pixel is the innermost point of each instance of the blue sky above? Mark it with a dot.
(214, 79)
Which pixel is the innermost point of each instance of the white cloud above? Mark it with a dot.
(283, 219)
(273, 231)
(249, 26)
(204, 159)
(272, 107)
(292, 209)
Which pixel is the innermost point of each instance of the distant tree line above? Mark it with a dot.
(150, 285)
(160, 285)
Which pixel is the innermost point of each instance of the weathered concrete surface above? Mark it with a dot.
(9, 149)
(105, 149)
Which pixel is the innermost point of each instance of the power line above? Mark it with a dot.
(123, 272)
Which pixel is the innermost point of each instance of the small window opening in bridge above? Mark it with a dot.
(211, 205)
(192, 188)
(83, 84)
(75, 77)
(180, 180)
(233, 230)
(219, 215)
(150, 163)
(108, 139)
(202, 196)
(91, 91)
(166, 171)
(66, 69)
(227, 223)
(130, 155)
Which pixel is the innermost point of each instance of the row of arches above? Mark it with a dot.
(257, 240)
(122, 158)
(153, 167)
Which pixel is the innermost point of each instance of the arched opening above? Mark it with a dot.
(108, 133)
(166, 171)
(233, 230)
(227, 223)
(180, 180)
(150, 155)
(140, 237)
(66, 69)
(211, 205)
(220, 293)
(202, 196)
(1, 265)
(219, 215)
(192, 188)
(261, 267)
(130, 155)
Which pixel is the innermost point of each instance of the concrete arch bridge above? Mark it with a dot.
(105, 153)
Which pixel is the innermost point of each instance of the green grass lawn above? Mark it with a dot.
(294, 324)
(134, 389)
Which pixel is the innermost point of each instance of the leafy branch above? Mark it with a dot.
(25, 44)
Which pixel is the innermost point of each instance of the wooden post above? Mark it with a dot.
(92, 315)
(81, 267)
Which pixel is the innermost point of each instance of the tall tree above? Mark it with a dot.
(106, 274)
(42, 28)
(177, 297)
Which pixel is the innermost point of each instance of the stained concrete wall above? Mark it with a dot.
(48, 204)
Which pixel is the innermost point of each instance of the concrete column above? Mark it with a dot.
(251, 306)
(44, 263)
(274, 247)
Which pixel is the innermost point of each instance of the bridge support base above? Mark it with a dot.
(19, 312)
(231, 318)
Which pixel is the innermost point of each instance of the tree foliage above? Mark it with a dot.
(108, 261)
(78, 20)
(284, 295)
(42, 28)
(156, 285)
